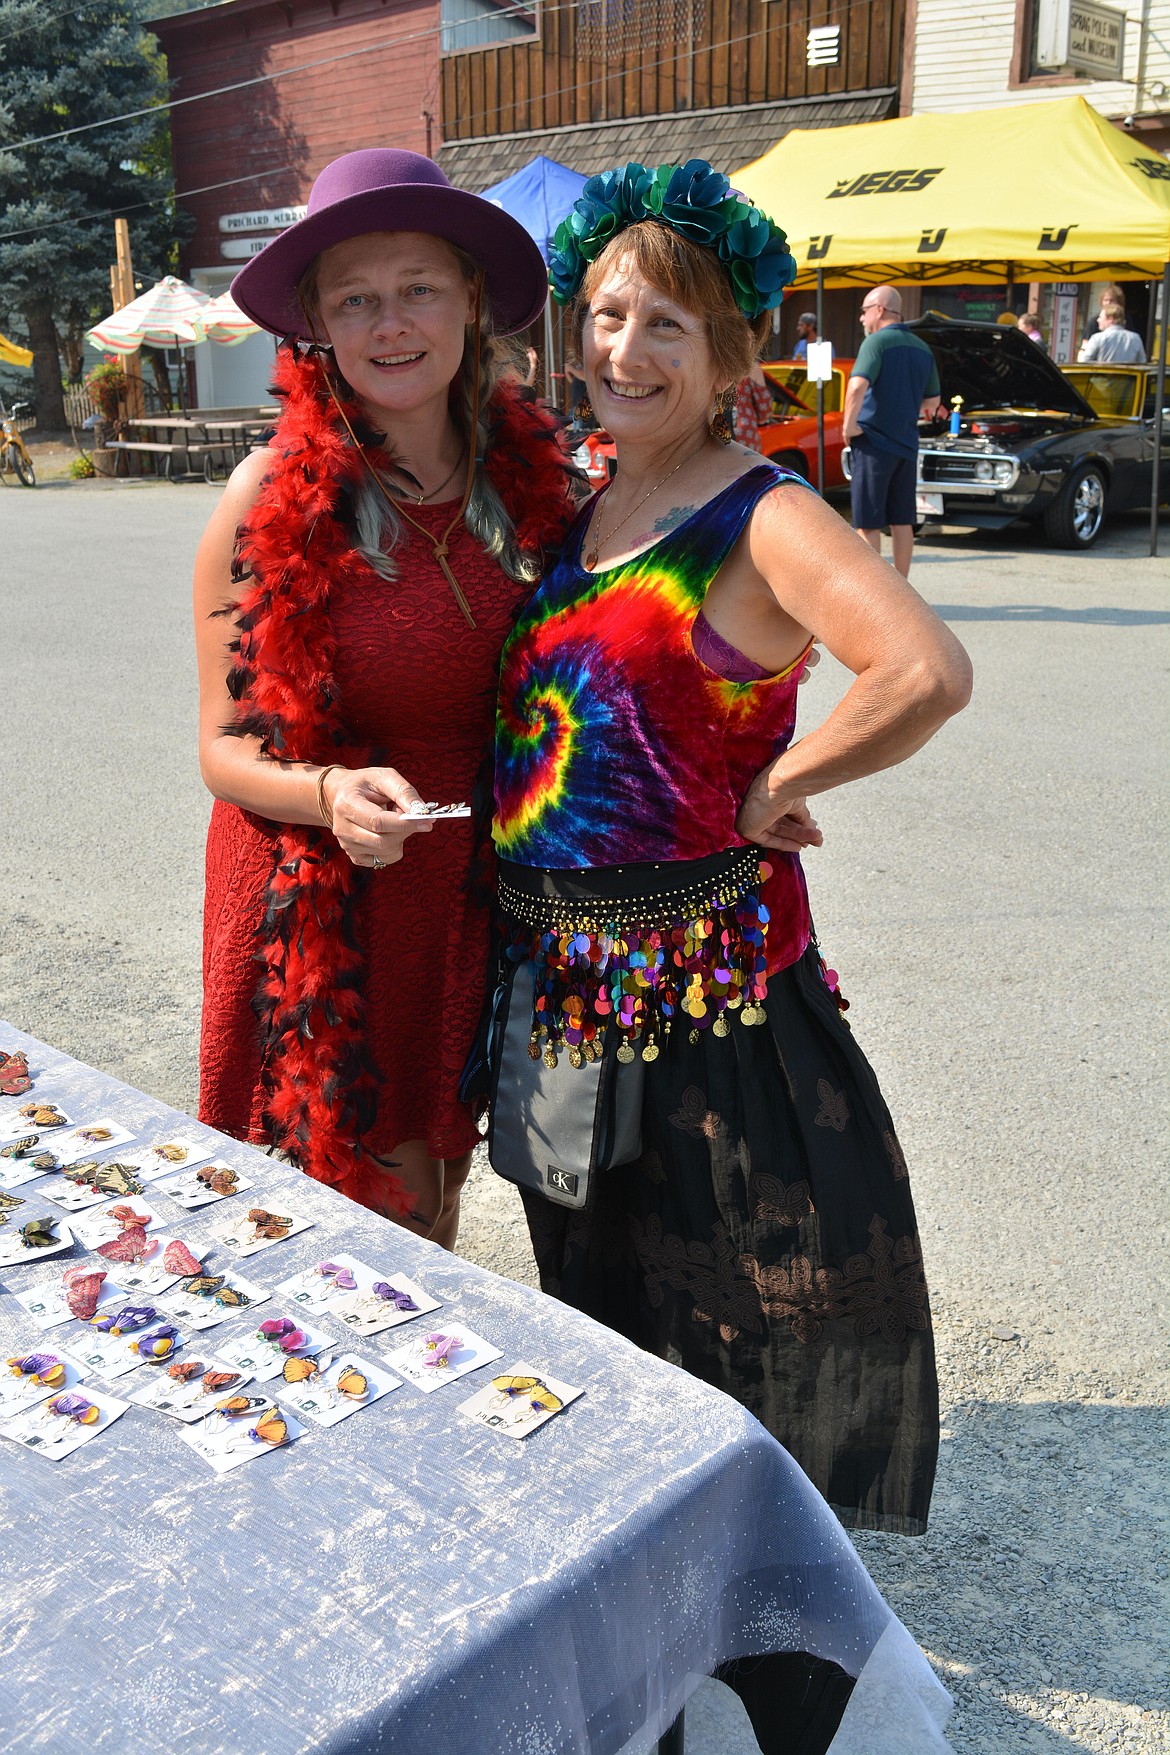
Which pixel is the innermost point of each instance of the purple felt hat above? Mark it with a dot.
(385, 189)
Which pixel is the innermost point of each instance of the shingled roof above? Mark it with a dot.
(728, 137)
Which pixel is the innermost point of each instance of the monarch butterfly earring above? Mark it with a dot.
(720, 422)
(583, 411)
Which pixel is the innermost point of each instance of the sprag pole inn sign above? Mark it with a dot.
(1080, 35)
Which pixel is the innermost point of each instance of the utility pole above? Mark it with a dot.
(122, 284)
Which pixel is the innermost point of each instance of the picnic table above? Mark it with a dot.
(194, 444)
(409, 1580)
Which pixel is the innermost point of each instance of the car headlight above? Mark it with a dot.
(984, 470)
(582, 457)
(1003, 469)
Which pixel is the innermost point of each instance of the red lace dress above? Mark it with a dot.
(417, 683)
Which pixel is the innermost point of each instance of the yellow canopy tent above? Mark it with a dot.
(1047, 191)
(12, 355)
(1028, 192)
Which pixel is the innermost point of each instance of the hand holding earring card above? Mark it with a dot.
(206, 1185)
(520, 1401)
(58, 1426)
(327, 1393)
(431, 1360)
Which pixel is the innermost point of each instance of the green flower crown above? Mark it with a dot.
(693, 200)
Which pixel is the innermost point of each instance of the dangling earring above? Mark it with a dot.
(720, 424)
(583, 412)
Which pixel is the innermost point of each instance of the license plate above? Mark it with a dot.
(930, 506)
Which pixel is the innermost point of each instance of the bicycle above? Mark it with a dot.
(14, 457)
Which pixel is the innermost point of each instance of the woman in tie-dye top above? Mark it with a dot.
(765, 1237)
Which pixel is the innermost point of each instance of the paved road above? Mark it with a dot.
(997, 912)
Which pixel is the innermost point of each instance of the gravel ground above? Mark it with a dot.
(997, 912)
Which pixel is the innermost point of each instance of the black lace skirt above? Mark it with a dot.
(765, 1240)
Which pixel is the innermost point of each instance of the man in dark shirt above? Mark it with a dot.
(893, 385)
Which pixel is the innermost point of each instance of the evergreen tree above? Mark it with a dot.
(61, 66)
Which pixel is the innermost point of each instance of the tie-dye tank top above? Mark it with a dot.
(615, 744)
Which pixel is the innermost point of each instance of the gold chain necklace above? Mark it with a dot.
(599, 541)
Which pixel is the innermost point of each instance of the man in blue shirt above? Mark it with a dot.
(893, 385)
(806, 331)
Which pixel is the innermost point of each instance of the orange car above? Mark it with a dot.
(789, 439)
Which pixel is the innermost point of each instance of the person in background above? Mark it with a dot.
(1113, 344)
(893, 385)
(753, 406)
(1110, 294)
(806, 331)
(1030, 326)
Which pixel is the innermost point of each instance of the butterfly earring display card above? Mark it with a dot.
(431, 1360)
(518, 1404)
(57, 1427)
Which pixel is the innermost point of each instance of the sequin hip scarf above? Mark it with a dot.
(638, 948)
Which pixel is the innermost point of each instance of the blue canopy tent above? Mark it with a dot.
(539, 195)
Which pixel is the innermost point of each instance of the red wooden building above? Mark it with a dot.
(348, 73)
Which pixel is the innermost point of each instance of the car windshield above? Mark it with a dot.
(795, 379)
(1108, 393)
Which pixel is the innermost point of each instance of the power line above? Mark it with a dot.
(239, 85)
(137, 207)
(37, 22)
(518, 6)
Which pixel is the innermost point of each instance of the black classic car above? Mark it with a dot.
(1058, 446)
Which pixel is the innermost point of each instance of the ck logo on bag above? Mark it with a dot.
(564, 1181)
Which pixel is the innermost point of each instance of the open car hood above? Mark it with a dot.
(994, 365)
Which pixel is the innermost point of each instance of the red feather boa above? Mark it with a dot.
(321, 1084)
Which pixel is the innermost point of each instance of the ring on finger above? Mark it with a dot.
(378, 864)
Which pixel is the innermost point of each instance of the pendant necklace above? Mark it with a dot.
(421, 496)
(599, 541)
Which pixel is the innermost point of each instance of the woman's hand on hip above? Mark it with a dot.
(784, 824)
(368, 807)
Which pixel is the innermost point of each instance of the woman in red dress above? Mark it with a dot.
(352, 593)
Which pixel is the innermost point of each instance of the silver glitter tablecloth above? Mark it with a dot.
(408, 1581)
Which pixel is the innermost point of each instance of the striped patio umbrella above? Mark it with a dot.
(168, 315)
(225, 322)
